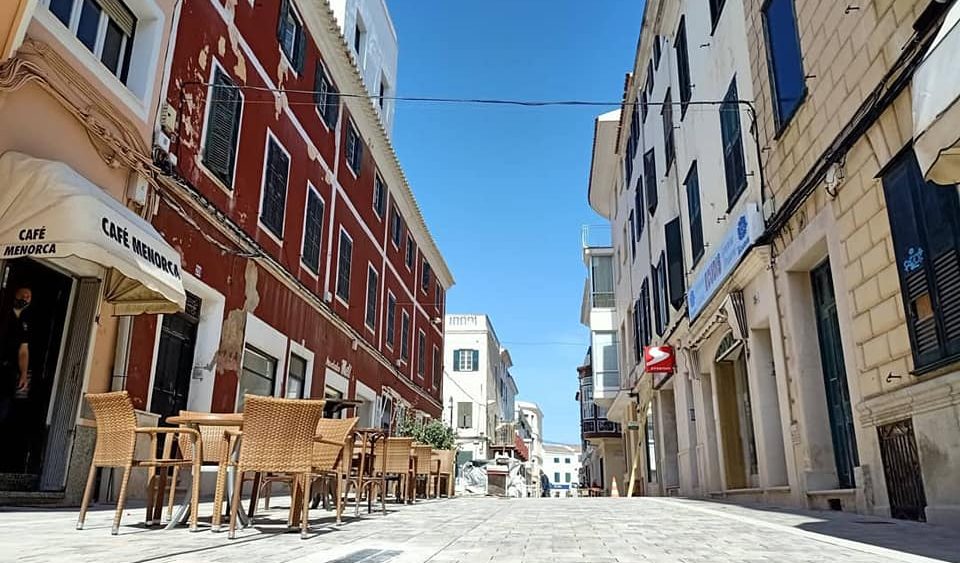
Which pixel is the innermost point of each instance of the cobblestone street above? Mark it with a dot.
(488, 529)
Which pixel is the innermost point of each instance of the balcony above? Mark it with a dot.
(507, 441)
(599, 427)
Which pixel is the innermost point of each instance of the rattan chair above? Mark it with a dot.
(444, 468)
(391, 461)
(212, 440)
(332, 454)
(117, 432)
(277, 436)
(420, 470)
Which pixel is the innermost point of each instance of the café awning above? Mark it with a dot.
(49, 211)
(936, 104)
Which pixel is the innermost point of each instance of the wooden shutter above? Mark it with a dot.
(312, 231)
(667, 114)
(650, 179)
(275, 189)
(683, 66)
(637, 328)
(301, 49)
(647, 333)
(694, 213)
(476, 360)
(373, 282)
(656, 299)
(732, 137)
(223, 126)
(638, 207)
(675, 272)
(456, 359)
(343, 267)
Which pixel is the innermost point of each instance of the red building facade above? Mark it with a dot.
(308, 266)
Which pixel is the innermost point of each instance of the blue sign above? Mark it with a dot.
(744, 231)
(563, 486)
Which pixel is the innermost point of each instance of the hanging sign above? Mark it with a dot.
(659, 359)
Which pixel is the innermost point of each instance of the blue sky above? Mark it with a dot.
(503, 189)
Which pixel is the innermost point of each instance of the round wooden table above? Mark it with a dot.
(195, 420)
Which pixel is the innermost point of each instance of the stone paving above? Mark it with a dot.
(594, 530)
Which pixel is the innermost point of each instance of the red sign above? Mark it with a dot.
(659, 359)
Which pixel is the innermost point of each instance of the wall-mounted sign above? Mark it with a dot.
(743, 232)
(659, 359)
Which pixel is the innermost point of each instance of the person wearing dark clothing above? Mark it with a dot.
(15, 351)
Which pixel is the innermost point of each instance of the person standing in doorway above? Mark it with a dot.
(15, 351)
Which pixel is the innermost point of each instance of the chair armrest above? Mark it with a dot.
(166, 430)
(319, 440)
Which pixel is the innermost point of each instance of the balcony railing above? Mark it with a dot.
(599, 427)
(608, 379)
(604, 300)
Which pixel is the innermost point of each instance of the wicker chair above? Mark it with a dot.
(277, 436)
(332, 454)
(420, 470)
(391, 461)
(443, 467)
(117, 432)
(212, 440)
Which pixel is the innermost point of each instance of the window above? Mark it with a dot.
(312, 230)
(296, 377)
(105, 27)
(644, 106)
(396, 228)
(925, 225)
(359, 41)
(716, 8)
(326, 97)
(383, 91)
(373, 287)
(274, 202)
(425, 274)
(732, 137)
(291, 36)
(632, 142)
(405, 336)
(411, 252)
(606, 359)
(556, 460)
(466, 360)
(438, 299)
(421, 354)
(601, 278)
(694, 213)
(391, 319)
(566, 460)
(258, 375)
(464, 415)
(683, 67)
(650, 180)
(556, 478)
(638, 208)
(657, 51)
(668, 148)
(379, 196)
(675, 273)
(566, 477)
(633, 240)
(354, 150)
(660, 296)
(437, 367)
(343, 266)
(784, 59)
(646, 330)
(637, 326)
(223, 127)
(650, 78)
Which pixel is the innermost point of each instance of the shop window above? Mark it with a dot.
(296, 378)
(326, 97)
(274, 196)
(344, 259)
(224, 106)
(312, 230)
(925, 225)
(258, 376)
(694, 213)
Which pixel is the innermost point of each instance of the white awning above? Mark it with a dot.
(936, 104)
(49, 211)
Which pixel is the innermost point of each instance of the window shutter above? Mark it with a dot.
(638, 207)
(223, 124)
(675, 263)
(476, 360)
(732, 138)
(284, 9)
(456, 359)
(312, 230)
(301, 49)
(120, 15)
(275, 186)
(650, 179)
(694, 213)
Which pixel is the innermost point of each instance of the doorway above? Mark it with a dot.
(735, 409)
(23, 434)
(834, 375)
(178, 339)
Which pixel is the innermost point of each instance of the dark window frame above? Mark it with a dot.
(683, 67)
(305, 258)
(731, 135)
(651, 180)
(391, 321)
(694, 213)
(344, 273)
(370, 309)
(716, 11)
(781, 121)
(676, 279)
(354, 150)
(300, 42)
(326, 97)
(225, 91)
(268, 196)
(379, 196)
(669, 140)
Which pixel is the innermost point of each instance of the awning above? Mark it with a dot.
(936, 104)
(49, 211)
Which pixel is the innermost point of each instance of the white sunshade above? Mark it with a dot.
(936, 105)
(49, 211)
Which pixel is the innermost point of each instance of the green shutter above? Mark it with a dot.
(476, 360)
(456, 360)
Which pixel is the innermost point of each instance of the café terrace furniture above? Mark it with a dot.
(365, 439)
(117, 433)
(391, 462)
(277, 437)
(444, 461)
(212, 427)
(420, 470)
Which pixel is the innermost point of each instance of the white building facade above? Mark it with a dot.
(479, 391)
(532, 417)
(561, 465)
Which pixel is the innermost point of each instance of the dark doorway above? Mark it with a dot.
(834, 375)
(23, 434)
(178, 338)
(901, 467)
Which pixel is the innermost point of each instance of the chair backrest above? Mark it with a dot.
(278, 434)
(392, 455)
(340, 430)
(446, 458)
(211, 441)
(422, 454)
(116, 425)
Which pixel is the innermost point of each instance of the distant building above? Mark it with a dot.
(561, 465)
(531, 417)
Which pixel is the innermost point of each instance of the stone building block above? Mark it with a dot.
(879, 226)
(859, 243)
(876, 351)
(899, 339)
(853, 273)
(869, 381)
(884, 316)
(862, 328)
(845, 224)
(866, 296)
(868, 205)
(889, 281)
(882, 34)
(875, 260)
(857, 68)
